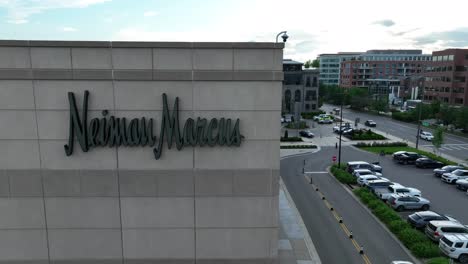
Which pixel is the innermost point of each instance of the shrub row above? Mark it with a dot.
(312, 114)
(414, 240)
(403, 116)
(381, 144)
(291, 139)
(297, 125)
(365, 135)
(298, 147)
(342, 175)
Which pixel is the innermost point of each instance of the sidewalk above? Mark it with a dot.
(295, 245)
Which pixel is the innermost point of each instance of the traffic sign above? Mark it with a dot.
(334, 158)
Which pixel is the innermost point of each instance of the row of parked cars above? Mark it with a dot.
(452, 174)
(451, 235)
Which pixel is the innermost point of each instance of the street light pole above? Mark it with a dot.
(419, 125)
(339, 129)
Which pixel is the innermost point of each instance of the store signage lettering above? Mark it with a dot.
(114, 131)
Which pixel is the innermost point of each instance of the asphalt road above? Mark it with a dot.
(330, 239)
(455, 146)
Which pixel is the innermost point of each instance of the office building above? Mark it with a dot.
(300, 88)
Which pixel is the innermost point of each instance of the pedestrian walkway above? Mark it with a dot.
(295, 245)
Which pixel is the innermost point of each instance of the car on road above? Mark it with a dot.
(428, 163)
(395, 155)
(306, 133)
(355, 165)
(363, 180)
(455, 246)
(362, 172)
(370, 123)
(325, 121)
(426, 135)
(446, 169)
(408, 158)
(437, 229)
(404, 202)
(384, 194)
(421, 219)
(454, 176)
(462, 184)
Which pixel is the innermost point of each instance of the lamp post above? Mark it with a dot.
(339, 129)
(419, 125)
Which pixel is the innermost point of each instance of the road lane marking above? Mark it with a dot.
(317, 172)
(342, 225)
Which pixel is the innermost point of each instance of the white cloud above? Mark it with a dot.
(150, 13)
(19, 11)
(68, 29)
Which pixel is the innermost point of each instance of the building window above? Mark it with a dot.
(287, 101)
(459, 100)
(297, 96)
(314, 106)
(307, 81)
(307, 107)
(314, 82)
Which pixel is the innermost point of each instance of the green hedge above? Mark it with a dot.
(342, 175)
(365, 135)
(381, 144)
(403, 116)
(439, 260)
(414, 240)
(298, 147)
(291, 139)
(297, 125)
(310, 115)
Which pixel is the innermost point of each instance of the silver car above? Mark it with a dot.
(404, 202)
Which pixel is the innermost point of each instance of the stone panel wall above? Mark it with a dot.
(120, 205)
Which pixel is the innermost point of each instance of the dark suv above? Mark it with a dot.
(409, 158)
(421, 219)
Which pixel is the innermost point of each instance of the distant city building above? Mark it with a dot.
(382, 64)
(330, 65)
(446, 77)
(300, 88)
(388, 89)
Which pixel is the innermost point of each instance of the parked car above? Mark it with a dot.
(361, 172)
(384, 194)
(428, 163)
(318, 117)
(454, 176)
(455, 246)
(404, 202)
(375, 185)
(327, 120)
(446, 169)
(363, 180)
(436, 229)
(426, 135)
(370, 123)
(395, 155)
(462, 184)
(338, 129)
(354, 165)
(421, 219)
(409, 158)
(401, 262)
(306, 133)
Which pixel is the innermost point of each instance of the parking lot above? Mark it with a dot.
(445, 198)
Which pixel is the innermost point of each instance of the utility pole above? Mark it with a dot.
(419, 125)
(341, 132)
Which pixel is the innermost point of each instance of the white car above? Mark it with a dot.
(384, 194)
(454, 176)
(363, 180)
(362, 172)
(455, 246)
(426, 135)
(321, 116)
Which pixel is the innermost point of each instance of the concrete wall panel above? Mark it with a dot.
(14, 57)
(132, 58)
(51, 58)
(91, 58)
(16, 95)
(172, 59)
(19, 154)
(23, 245)
(18, 124)
(20, 213)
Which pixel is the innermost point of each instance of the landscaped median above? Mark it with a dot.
(414, 240)
(298, 146)
(392, 147)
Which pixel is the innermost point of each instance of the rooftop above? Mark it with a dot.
(289, 61)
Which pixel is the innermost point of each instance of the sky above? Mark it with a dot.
(313, 26)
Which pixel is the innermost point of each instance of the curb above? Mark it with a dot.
(414, 259)
(307, 239)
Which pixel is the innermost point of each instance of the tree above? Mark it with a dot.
(438, 139)
(286, 134)
(316, 63)
(308, 64)
(462, 118)
(447, 114)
